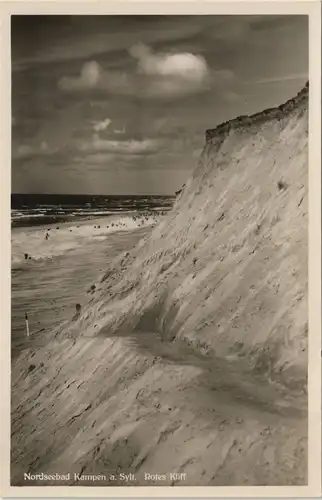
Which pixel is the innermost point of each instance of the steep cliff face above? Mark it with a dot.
(169, 367)
(227, 269)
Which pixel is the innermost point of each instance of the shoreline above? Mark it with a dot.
(38, 221)
(27, 242)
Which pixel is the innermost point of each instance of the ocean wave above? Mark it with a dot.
(37, 217)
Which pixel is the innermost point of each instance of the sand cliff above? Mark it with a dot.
(228, 266)
(191, 355)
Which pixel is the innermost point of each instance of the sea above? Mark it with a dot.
(39, 209)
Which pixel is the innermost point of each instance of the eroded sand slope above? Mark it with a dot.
(191, 355)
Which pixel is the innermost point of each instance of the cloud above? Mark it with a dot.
(89, 78)
(156, 75)
(100, 126)
(184, 65)
(93, 76)
(133, 147)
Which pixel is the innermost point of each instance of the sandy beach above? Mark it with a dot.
(49, 286)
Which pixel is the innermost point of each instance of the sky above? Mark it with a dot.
(120, 104)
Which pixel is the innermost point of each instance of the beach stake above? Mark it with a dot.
(27, 324)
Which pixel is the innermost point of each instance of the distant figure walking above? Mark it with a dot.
(47, 236)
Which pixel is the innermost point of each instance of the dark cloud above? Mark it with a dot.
(121, 103)
(44, 40)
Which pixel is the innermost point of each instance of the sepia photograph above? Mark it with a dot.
(159, 250)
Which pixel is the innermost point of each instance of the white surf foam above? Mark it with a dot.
(69, 236)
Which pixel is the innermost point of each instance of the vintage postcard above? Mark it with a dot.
(161, 189)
